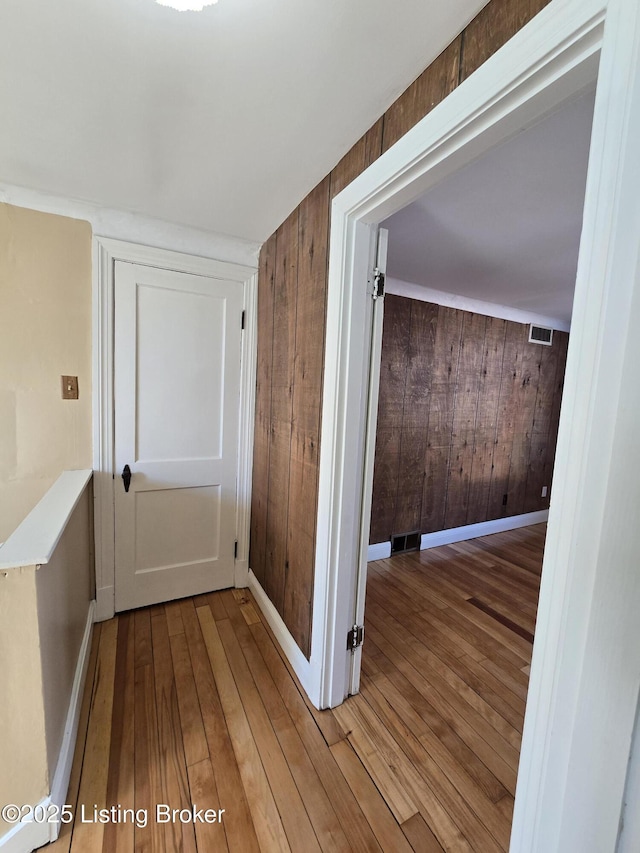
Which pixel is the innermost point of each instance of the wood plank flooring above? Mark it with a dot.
(192, 703)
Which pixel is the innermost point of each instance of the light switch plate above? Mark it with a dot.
(69, 387)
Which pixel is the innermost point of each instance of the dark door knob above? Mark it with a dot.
(126, 477)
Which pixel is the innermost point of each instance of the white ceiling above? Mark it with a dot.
(506, 228)
(221, 120)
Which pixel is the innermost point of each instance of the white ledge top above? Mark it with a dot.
(35, 540)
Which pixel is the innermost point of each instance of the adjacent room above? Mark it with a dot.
(469, 397)
(477, 311)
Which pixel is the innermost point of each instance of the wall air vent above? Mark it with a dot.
(402, 542)
(540, 335)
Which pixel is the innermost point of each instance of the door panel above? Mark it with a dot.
(177, 385)
(181, 341)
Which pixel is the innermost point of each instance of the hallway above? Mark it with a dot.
(191, 704)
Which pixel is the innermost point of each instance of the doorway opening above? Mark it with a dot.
(436, 149)
(164, 275)
(515, 88)
(468, 405)
(467, 420)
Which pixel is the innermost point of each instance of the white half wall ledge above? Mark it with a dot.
(33, 542)
(136, 227)
(466, 303)
(382, 550)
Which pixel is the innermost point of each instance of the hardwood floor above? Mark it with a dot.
(192, 703)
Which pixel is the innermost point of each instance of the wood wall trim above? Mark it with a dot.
(431, 87)
(491, 28)
(367, 149)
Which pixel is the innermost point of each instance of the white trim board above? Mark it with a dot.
(105, 252)
(136, 227)
(25, 837)
(247, 428)
(378, 551)
(629, 841)
(467, 303)
(483, 528)
(298, 661)
(382, 550)
(60, 783)
(33, 542)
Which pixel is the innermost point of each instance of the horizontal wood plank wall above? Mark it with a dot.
(468, 416)
(291, 332)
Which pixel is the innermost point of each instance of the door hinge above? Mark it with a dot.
(235, 550)
(354, 637)
(378, 283)
(242, 321)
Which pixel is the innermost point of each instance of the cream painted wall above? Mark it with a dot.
(45, 332)
(46, 616)
(24, 777)
(64, 590)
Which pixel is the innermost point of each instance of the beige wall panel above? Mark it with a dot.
(22, 742)
(45, 332)
(64, 590)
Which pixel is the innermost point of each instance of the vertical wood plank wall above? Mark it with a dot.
(468, 415)
(291, 330)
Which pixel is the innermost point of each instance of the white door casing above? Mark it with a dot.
(107, 478)
(176, 384)
(378, 246)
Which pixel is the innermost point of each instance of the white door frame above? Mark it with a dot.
(105, 252)
(585, 674)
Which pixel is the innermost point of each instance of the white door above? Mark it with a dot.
(176, 400)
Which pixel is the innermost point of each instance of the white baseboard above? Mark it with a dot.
(382, 550)
(25, 837)
(484, 528)
(298, 661)
(60, 784)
